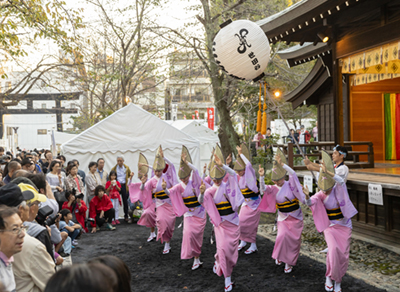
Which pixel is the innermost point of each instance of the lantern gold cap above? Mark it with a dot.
(278, 172)
(240, 164)
(217, 172)
(159, 163)
(184, 169)
(144, 168)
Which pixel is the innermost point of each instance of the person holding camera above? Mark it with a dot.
(77, 207)
(113, 187)
(67, 225)
(101, 210)
(29, 276)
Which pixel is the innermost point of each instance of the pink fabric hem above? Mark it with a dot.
(288, 241)
(338, 238)
(227, 238)
(192, 239)
(248, 224)
(165, 222)
(148, 217)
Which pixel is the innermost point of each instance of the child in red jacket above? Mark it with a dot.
(76, 206)
(113, 187)
(101, 209)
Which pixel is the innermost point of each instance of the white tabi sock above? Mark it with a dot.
(328, 282)
(153, 234)
(337, 287)
(253, 246)
(242, 243)
(166, 246)
(196, 261)
(227, 281)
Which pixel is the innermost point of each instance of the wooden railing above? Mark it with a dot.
(352, 160)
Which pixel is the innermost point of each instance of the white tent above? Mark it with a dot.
(129, 131)
(207, 137)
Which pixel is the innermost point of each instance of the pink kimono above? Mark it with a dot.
(249, 212)
(185, 201)
(148, 217)
(336, 228)
(165, 215)
(290, 222)
(226, 227)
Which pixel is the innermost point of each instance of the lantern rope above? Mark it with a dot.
(259, 111)
(264, 117)
(287, 127)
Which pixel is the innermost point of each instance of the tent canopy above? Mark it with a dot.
(195, 128)
(128, 132)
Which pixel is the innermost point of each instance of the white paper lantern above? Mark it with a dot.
(242, 50)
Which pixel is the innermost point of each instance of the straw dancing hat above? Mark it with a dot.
(217, 172)
(211, 159)
(278, 172)
(144, 168)
(325, 181)
(239, 164)
(159, 163)
(184, 169)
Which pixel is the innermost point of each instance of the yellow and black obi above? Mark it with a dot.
(288, 206)
(191, 202)
(334, 214)
(161, 195)
(224, 208)
(249, 194)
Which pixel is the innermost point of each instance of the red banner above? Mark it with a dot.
(192, 117)
(210, 117)
(197, 115)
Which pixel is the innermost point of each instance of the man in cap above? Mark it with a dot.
(41, 233)
(29, 276)
(184, 197)
(27, 164)
(332, 212)
(153, 188)
(222, 202)
(286, 196)
(249, 186)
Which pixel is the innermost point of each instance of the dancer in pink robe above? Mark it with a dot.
(332, 212)
(165, 215)
(222, 202)
(148, 217)
(195, 219)
(249, 215)
(284, 195)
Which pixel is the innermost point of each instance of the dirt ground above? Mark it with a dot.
(153, 271)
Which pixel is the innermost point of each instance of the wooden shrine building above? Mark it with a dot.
(355, 47)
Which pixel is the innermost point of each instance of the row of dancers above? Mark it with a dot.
(225, 191)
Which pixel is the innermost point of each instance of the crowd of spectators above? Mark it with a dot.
(46, 205)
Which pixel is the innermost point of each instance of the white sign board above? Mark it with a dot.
(308, 181)
(375, 195)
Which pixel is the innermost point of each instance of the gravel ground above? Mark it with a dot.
(153, 271)
(375, 265)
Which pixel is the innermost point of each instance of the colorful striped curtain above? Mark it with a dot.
(392, 125)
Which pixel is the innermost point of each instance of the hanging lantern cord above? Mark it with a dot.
(287, 127)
